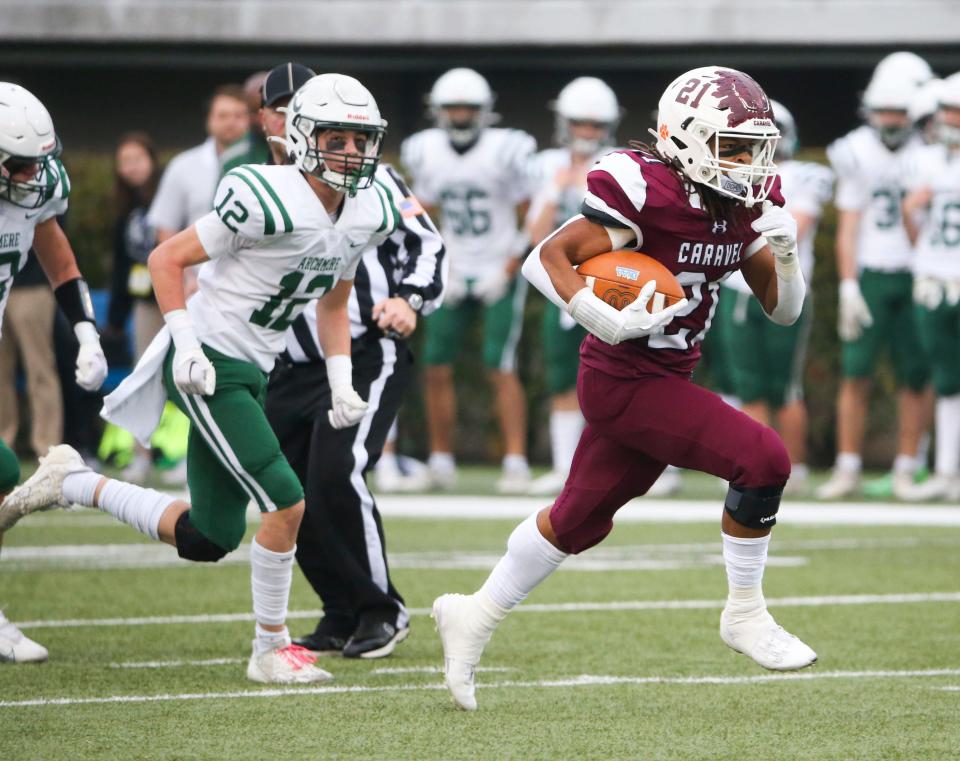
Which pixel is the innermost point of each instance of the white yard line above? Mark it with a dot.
(774, 602)
(583, 680)
(177, 664)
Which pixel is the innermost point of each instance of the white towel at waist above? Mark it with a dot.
(137, 403)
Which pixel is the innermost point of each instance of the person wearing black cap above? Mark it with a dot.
(340, 545)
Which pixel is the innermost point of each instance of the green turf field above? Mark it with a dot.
(616, 657)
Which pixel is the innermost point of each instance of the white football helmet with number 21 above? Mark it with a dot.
(706, 105)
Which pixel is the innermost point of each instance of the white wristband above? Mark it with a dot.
(340, 371)
(596, 315)
(181, 329)
(86, 332)
(849, 288)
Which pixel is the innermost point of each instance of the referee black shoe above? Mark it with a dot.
(374, 638)
(322, 641)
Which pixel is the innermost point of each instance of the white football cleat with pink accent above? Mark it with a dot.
(286, 665)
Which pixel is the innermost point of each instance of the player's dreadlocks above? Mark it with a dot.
(718, 207)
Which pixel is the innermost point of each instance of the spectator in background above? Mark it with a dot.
(28, 342)
(136, 175)
(252, 148)
(188, 184)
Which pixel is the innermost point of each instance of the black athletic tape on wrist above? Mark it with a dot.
(73, 297)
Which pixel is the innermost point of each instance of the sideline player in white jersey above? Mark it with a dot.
(34, 188)
(278, 237)
(874, 260)
(478, 177)
(587, 115)
(765, 360)
(931, 214)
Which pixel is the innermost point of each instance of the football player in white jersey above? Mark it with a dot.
(278, 237)
(477, 177)
(587, 114)
(33, 192)
(931, 214)
(766, 360)
(874, 260)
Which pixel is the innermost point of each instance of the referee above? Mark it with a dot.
(340, 547)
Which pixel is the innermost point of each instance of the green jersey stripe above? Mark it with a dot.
(383, 206)
(64, 180)
(393, 206)
(269, 226)
(287, 222)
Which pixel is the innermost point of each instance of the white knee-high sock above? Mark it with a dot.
(565, 429)
(271, 574)
(134, 505)
(948, 435)
(744, 560)
(529, 560)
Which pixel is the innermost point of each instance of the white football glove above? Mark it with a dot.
(778, 226)
(347, 408)
(91, 363)
(492, 286)
(854, 314)
(193, 373)
(612, 326)
(928, 292)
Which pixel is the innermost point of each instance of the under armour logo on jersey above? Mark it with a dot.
(720, 227)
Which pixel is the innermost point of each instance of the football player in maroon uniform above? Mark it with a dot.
(704, 201)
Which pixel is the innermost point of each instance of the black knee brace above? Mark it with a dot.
(754, 506)
(192, 545)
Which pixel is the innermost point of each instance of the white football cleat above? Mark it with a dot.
(938, 486)
(463, 635)
(513, 481)
(44, 489)
(16, 647)
(548, 485)
(286, 665)
(842, 483)
(768, 643)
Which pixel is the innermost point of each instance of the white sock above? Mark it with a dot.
(515, 463)
(948, 435)
(271, 574)
(850, 462)
(529, 560)
(388, 463)
(565, 429)
(442, 462)
(905, 463)
(132, 504)
(799, 471)
(744, 560)
(266, 641)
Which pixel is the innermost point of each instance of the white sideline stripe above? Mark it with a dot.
(583, 680)
(785, 602)
(435, 669)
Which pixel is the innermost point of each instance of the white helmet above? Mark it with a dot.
(949, 97)
(586, 99)
(906, 65)
(462, 87)
(924, 103)
(27, 138)
(703, 106)
(789, 138)
(334, 102)
(890, 90)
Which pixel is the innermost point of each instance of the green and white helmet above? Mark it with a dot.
(334, 102)
(27, 139)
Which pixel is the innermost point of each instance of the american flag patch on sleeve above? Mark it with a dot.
(410, 207)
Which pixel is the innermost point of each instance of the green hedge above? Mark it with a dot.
(89, 230)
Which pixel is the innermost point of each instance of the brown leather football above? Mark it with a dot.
(618, 276)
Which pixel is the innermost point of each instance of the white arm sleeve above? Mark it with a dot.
(791, 290)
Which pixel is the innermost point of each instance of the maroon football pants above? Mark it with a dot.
(635, 428)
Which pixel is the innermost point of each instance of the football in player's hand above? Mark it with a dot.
(618, 276)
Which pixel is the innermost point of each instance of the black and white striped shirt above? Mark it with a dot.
(411, 260)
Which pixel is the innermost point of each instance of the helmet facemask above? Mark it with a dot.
(462, 132)
(583, 146)
(345, 172)
(748, 183)
(37, 190)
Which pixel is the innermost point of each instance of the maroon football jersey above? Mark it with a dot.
(627, 188)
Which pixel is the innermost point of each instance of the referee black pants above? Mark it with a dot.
(340, 547)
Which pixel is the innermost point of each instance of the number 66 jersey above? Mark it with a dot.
(273, 247)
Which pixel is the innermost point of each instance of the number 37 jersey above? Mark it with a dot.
(273, 247)
(477, 192)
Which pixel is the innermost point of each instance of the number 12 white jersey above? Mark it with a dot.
(477, 192)
(273, 247)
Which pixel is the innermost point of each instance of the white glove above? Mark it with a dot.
(192, 371)
(612, 326)
(492, 286)
(455, 290)
(347, 408)
(778, 226)
(854, 313)
(91, 363)
(928, 292)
